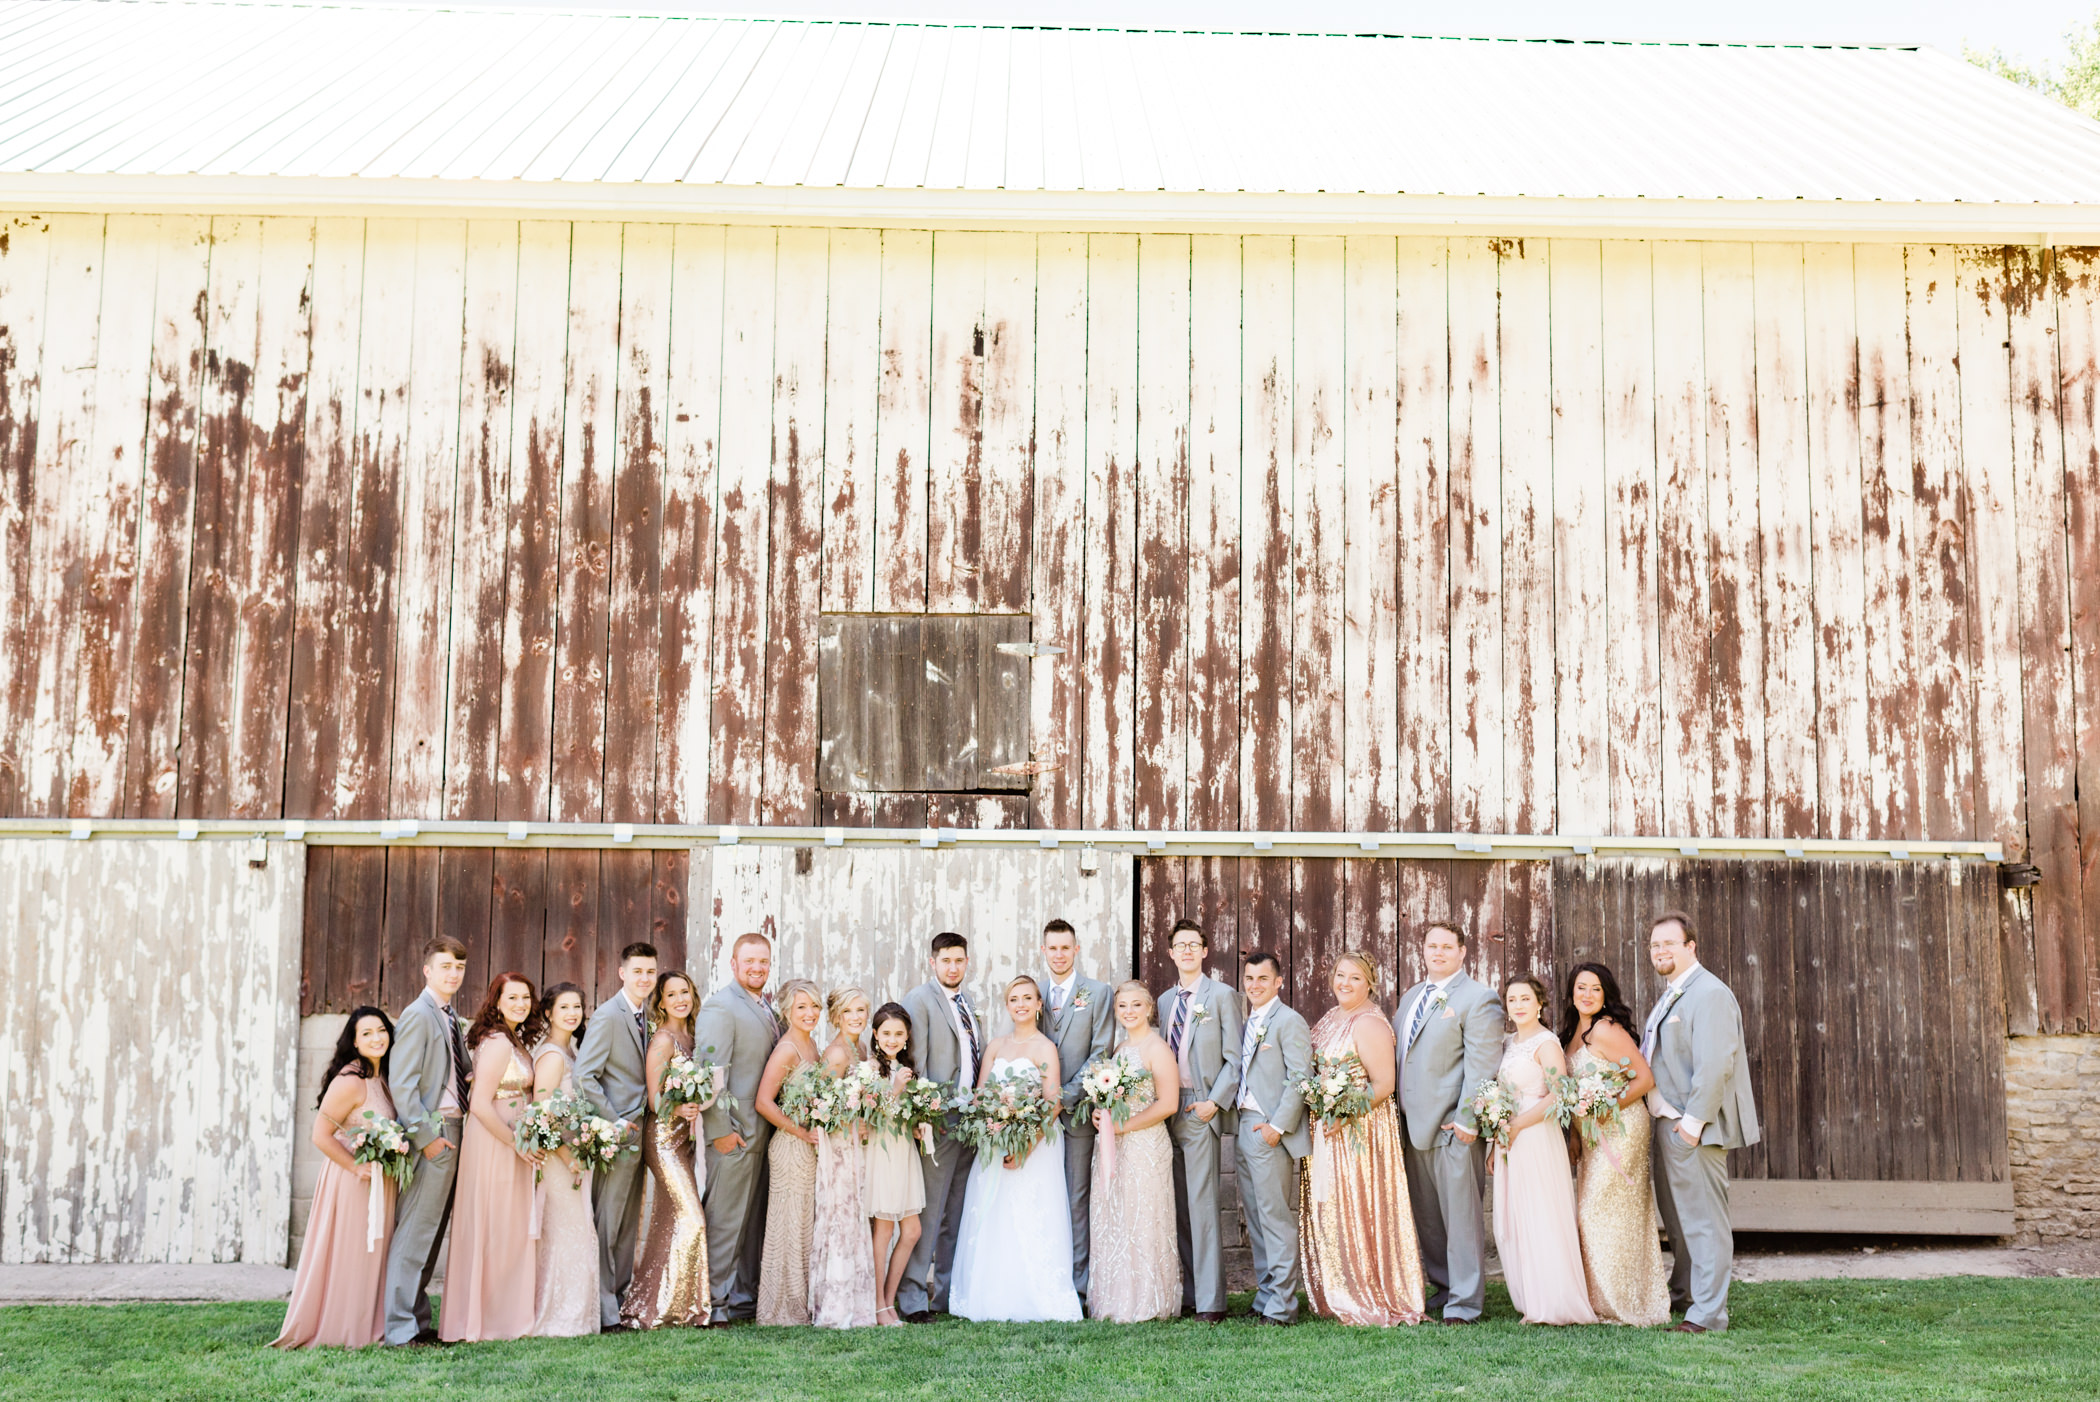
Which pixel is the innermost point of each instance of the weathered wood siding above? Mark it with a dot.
(148, 1020)
(335, 517)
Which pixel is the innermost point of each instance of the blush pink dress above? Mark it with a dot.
(338, 1295)
(1535, 1205)
(491, 1269)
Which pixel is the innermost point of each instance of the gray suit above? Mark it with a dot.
(942, 1057)
(1211, 1052)
(735, 1029)
(1457, 1047)
(611, 1073)
(419, 1068)
(1269, 1095)
(1082, 1031)
(1694, 1041)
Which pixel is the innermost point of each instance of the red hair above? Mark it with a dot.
(489, 1021)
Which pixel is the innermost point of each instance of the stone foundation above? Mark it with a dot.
(317, 1037)
(2052, 1091)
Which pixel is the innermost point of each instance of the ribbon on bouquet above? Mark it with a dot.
(539, 1204)
(1105, 1145)
(1321, 1182)
(375, 1210)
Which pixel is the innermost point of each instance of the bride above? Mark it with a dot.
(1013, 1254)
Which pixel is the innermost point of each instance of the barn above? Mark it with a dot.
(559, 479)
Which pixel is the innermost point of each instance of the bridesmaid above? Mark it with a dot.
(567, 1300)
(1134, 1265)
(842, 1290)
(896, 1186)
(1356, 1231)
(1534, 1198)
(490, 1267)
(338, 1295)
(670, 1285)
(791, 1186)
(1614, 1196)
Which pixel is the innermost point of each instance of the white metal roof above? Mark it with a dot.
(162, 100)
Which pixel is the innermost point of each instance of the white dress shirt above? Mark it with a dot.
(1409, 1021)
(1657, 1106)
(1060, 994)
(962, 1033)
(1256, 1020)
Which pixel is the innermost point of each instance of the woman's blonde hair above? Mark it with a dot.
(839, 1000)
(785, 999)
(1363, 962)
(1016, 981)
(1151, 1007)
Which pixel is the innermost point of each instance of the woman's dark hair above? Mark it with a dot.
(543, 1021)
(348, 1058)
(1538, 989)
(489, 1021)
(1614, 1008)
(657, 1016)
(884, 1063)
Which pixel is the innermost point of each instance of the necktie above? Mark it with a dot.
(969, 1026)
(457, 1057)
(1180, 1022)
(1057, 999)
(641, 1025)
(1421, 1015)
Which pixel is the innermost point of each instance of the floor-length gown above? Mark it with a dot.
(842, 1288)
(791, 1212)
(1356, 1231)
(670, 1284)
(1134, 1268)
(1535, 1204)
(1616, 1218)
(338, 1297)
(566, 1300)
(1013, 1252)
(491, 1268)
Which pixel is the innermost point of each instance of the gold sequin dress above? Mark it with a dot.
(670, 1285)
(1356, 1231)
(1615, 1212)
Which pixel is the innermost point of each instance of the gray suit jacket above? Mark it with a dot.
(1081, 1034)
(1459, 1047)
(734, 1029)
(1701, 1066)
(418, 1068)
(1282, 1058)
(1213, 1039)
(611, 1066)
(933, 1040)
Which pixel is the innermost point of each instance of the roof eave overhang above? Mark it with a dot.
(1126, 211)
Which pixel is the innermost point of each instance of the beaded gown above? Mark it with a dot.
(1356, 1231)
(1134, 1266)
(1616, 1217)
(1535, 1204)
(566, 1302)
(791, 1211)
(491, 1267)
(842, 1287)
(338, 1295)
(670, 1285)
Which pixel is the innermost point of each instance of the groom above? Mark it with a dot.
(1702, 1108)
(1081, 1020)
(610, 1071)
(949, 1041)
(1447, 1039)
(1202, 1020)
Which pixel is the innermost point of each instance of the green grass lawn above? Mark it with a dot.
(2035, 1340)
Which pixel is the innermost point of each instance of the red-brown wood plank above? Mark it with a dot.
(853, 475)
(517, 916)
(955, 456)
(1684, 622)
(1165, 554)
(1056, 713)
(1266, 501)
(1006, 492)
(465, 896)
(671, 872)
(356, 938)
(1528, 719)
(2070, 1002)
(1475, 524)
(632, 665)
(313, 929)
(904, 419)
(796, 494)
(1215, 547)
(1787, 582)
(1371, 545)
(1736, 689)
(482, 527)
(1422, 779)
(181, 307)
(574, 895)
(411, 920)
(25, 257)
(1107, 662)
(1633, 632)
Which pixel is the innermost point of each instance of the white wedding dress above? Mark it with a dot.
(1013, 1253)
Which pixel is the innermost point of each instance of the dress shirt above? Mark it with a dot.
(1421, 1000)
(962, 1033)
(1256, 1020)
(1657, 1106)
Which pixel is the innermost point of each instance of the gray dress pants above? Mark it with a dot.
(420, 1219)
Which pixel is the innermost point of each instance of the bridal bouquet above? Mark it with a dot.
(542, 1128)
(1338, 1090)
(1494, 1105)
(914, 1108)
(599, 1143)
(691, 1081)
(1590, 1101)
(383, 1143)
(1007, 1115)
(868, 1093)
(1114, 1084)
(815, 1099)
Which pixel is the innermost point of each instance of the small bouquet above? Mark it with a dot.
(815, 1099)
(914, 1108)
(1494, 1106)
(383, 1143)
(691, 1081)
(542, 1128)
(867, 1093)
(1009, 1114)
(1117, 1085)
(1590, 1101)
(1338, 1090)
(597, 1143)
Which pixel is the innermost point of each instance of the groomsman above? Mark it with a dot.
(1275, 1055)
(1447, 1035)
(949, 1040)
(1702, 1108)
(611, 1072)
(737, 1029)
(427, 1074)
(1080, 1018)
(1201, 1018)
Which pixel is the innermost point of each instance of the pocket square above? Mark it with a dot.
(1675, 1018)
(1450, 1012)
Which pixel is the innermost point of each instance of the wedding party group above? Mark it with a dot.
(667, 1161)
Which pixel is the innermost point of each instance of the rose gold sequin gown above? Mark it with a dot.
(1362, 1265)
(1615, 1211)
(670, 1285)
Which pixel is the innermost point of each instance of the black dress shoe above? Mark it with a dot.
(919, 1317)
(1211, 1316)
(1453, 1319)
(1272, 1319)
(1685, 1326)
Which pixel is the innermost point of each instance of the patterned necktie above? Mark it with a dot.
(1421, 1015)
(641, 1025)
(457, 1057)
(969, 1026)
(1180, 1022)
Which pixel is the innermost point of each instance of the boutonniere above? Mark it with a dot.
(1439, 998)
(1080, 999)
(1261, 1036)
(1198, 1014)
